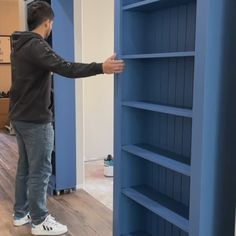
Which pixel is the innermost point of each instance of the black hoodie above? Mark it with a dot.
(33, 60)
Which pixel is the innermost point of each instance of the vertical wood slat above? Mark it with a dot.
(161, 81)
(165, 30)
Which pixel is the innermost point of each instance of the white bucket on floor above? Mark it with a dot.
(108, 166)
(108, 170)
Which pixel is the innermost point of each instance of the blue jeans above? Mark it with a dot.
(35, 144)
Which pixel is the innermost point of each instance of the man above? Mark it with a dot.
(33, 60)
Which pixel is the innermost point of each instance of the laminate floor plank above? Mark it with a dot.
(83, 214)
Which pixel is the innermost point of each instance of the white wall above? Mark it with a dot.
(79, 96)
(94, 37)
(97, 45)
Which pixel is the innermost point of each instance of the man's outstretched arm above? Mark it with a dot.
(43, 56)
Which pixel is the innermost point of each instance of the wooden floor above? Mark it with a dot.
(83, 215)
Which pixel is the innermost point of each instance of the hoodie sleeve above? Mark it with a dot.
(43, 56)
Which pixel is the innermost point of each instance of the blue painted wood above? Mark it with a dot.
(188, 82)
(182, 233)
(132, 134)
(132, 126)
(213, 143)
(177, 187)
(159, 55)
(64, 97)
(190, 27)
(173, 29)
(142, 126)
(187, 137)
(160, 205)
(133, 177)
(144, 32)
(137, 234)
(182, 22)
(185, 198)
(154, 85)
(136, 216)
(119, 227)
(159, 108)
(160, 157)
(150, 5)
(153, 41)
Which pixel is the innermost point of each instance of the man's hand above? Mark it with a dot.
(111, 65)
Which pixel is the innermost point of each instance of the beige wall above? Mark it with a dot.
(10, 21)
(97, 44)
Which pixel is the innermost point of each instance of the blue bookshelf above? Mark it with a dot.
(154, 102)
(63, 177)
(168, 150)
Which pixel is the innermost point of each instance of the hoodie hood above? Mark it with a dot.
(19, 39)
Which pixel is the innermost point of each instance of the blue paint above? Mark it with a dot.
(64, 98)
(150, 5)
(213, 146)
(172, 98)
(160, 157)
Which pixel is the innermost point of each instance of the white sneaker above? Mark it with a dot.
(22, 221)
(49, 227)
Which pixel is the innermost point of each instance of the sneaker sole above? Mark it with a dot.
(18, 224)
(49, 233)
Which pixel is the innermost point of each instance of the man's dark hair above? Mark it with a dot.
(38, 12)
